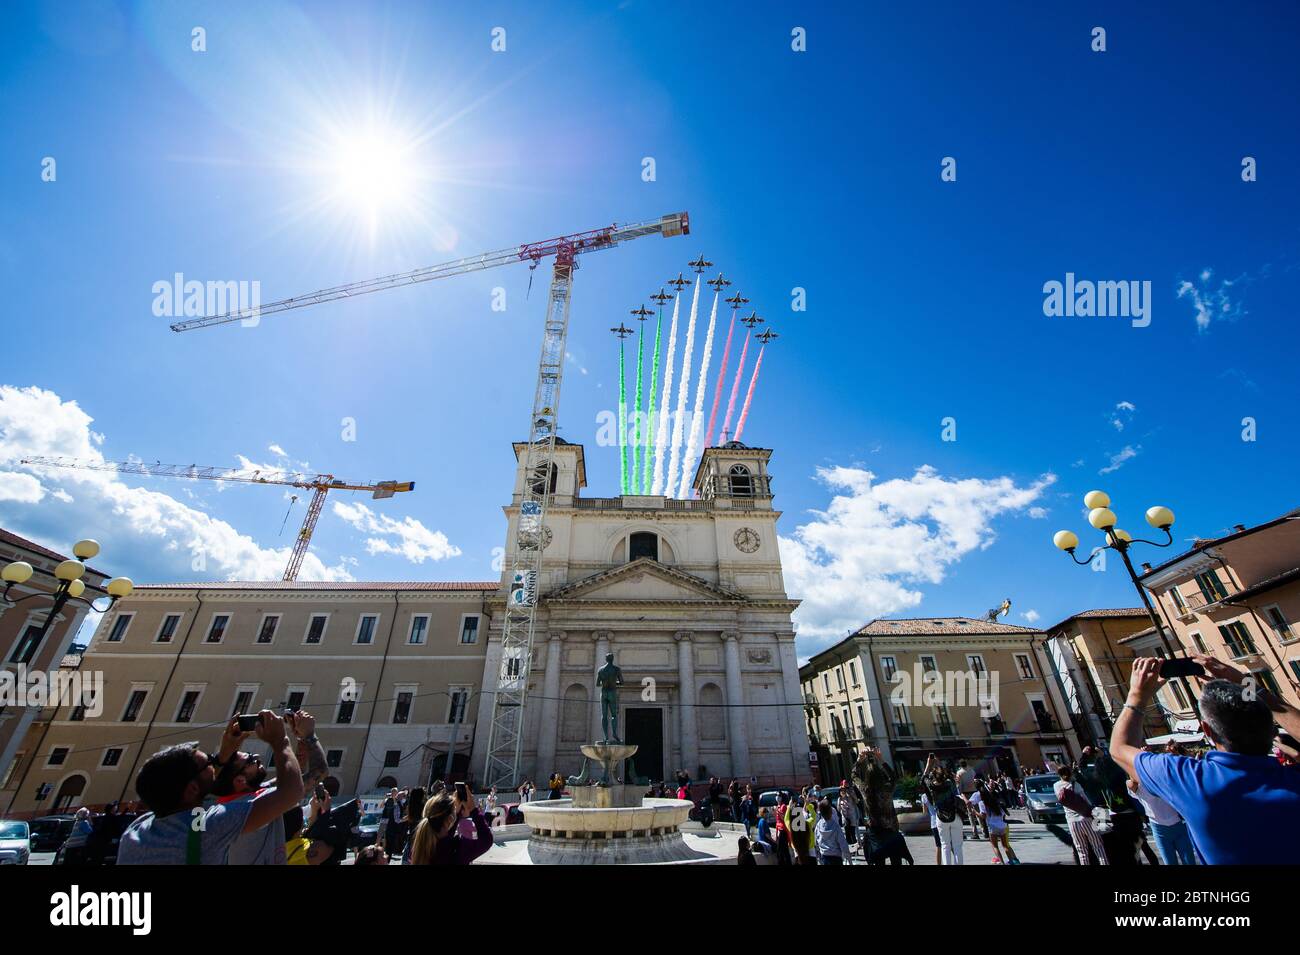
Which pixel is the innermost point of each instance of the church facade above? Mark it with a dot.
(688, 595)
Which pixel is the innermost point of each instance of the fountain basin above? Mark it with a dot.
(565, 834)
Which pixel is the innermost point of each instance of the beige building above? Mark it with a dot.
(22, 727)
(688, 595)
(1237, 597)
(387, 669)
(1000, 706)
(1088, 651)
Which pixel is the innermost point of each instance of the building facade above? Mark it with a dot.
(23, 727)
(688, 595)
(1237, 597)
(1000, 706)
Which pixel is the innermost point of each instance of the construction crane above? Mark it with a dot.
(318, 484)
(505, 734)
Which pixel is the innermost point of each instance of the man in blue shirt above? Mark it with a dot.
(1241, 805)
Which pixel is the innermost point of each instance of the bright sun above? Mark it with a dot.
(372, 170)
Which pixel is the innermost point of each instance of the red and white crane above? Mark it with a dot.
(505, 737)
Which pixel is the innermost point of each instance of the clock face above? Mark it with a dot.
(547, 534)
(747, 540)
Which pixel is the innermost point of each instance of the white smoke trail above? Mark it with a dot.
(735, 388)
(661, 436)
(697, 417)
(683, 392)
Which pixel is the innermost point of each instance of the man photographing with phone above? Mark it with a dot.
(1239, 802)
(180, 829)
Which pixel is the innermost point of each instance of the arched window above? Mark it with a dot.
(742, 485)
(537, 478)
(643, 544)
(69, 794)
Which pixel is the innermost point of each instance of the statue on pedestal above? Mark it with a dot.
(609, 678)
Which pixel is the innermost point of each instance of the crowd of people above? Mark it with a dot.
(1236, 802)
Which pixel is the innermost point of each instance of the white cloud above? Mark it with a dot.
(146, 534)
(1120, 458)
(278, 451)
(411, 539)
(23, 488)
(1211, 304)
(1031, 616)
(864, 556)
(1037, 513)
(1122, 414)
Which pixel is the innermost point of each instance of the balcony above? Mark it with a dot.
(1047, 725)
(994, 727)
(945, 729)
(904, 730)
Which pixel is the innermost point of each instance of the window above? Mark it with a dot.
(1199, 641)
(459, 697)
(120, 625)
(217, 630)
(1277, 620)
(740, 482)
(334, 758)
(244, 701)
(133, 706)
(943, 721)
(419, 630)
(168, 629)
(189, 702)
(58, 756)
(1295, 667)
(266, 633)
(392, 758)
(853, 672)
(1025, 666)
(316, 628)
(848, 721)
(1179, 600)
(839, 677)
(826, 681)
(862, 720)
(1178, 694)
(929, 664)
(78, 714)
(366, 629)
(469, 628)
(26, 646)
(402, 708)
(112, 757)
(975, 663)
(295, 699)
(1237, 639)
(888, 666)
(1211, 586)
(643, 544)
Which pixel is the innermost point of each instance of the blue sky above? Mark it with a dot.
(818, 170)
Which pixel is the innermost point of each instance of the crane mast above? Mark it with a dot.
(505, 733)
(318, 484)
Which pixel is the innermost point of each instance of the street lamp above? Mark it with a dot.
(70, 588)
(1119, 540)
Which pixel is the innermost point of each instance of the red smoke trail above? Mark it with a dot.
(722, 374)
(749, 396)
(735, 388)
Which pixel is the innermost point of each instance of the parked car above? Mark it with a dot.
(826, 792)
(365, 832)
(50, 832)
(15, 842)
(1040, 799)
(767, 798)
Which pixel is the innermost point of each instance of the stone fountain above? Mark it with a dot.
(606, 821)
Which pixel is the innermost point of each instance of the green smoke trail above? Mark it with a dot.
(622, 422)
(650, 415)
(636, 415)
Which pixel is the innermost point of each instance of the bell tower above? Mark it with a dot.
(735, 476)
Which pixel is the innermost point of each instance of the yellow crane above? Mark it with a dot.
(318, 484)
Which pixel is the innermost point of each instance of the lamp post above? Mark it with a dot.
(69, 589)
(1103, 519)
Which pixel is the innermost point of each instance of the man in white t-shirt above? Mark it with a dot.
(1168, 830)
(967, 784)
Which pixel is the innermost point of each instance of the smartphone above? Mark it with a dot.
(321, 792)
(248, 722)
(1180, 666)
(462, 792)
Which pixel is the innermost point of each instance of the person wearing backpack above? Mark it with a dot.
(1078, 818)
(945, 816)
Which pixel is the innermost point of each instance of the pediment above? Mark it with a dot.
(643, 579)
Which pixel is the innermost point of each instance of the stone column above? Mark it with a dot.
(548, 727)
(794, 714)
(491, 680)
(736, 713)
(687, 730)
(602, 647)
